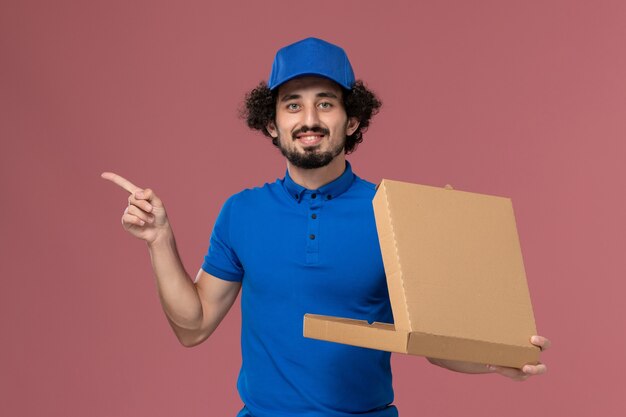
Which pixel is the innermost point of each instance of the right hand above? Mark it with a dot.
(145, 215)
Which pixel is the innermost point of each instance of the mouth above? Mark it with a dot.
(310, 139)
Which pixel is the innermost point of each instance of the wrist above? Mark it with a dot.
(461, 366)
(165, 238)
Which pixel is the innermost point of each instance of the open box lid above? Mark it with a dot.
(456, 279)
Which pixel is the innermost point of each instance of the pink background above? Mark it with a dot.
(521, 99)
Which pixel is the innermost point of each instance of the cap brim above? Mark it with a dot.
(309, 73)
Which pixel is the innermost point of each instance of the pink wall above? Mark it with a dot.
(522, 99)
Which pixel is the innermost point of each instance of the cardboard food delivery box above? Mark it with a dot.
(455, 275)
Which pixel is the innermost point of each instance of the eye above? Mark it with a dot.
(325, 105)
(292, 106)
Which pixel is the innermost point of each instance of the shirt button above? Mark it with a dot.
(328, 197)
(313, 195)
(314, 216)
(312, 237)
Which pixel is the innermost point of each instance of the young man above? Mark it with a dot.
(306, 243)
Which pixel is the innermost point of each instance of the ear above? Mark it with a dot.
(271, 129)
(353, 125)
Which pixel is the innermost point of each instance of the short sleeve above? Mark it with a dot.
(221, 260)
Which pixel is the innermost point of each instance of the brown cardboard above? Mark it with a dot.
(456, 279)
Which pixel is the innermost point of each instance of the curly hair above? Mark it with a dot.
(260, 109)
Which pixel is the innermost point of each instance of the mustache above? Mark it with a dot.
(313, 129)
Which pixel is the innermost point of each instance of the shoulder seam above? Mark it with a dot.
(366, 183)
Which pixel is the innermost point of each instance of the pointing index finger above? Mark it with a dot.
(121, 181)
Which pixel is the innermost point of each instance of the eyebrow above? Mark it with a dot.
(322, 94)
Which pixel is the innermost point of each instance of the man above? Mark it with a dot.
(305, 243)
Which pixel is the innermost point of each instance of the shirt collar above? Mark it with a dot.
(329, 191)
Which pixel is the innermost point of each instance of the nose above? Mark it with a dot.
(311, 118)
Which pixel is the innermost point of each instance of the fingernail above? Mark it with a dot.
(491, 367)
(141, 222)
(526, 369)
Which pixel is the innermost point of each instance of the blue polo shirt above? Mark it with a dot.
(300, 251)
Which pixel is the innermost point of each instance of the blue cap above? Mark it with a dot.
(311, 56)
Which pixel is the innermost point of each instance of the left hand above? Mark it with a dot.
(527, 370)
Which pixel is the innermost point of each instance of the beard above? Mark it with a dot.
(311, 157)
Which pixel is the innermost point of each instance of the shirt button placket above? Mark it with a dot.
(312, 247)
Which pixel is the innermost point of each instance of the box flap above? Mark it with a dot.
(453, 263)
(381, 336)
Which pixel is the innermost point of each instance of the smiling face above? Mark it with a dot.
(311, 122)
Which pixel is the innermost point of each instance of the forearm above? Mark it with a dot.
(177, 293)
(460, 366)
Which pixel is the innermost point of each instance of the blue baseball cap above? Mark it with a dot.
(311, 56)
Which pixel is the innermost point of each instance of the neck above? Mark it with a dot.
(316, 178)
